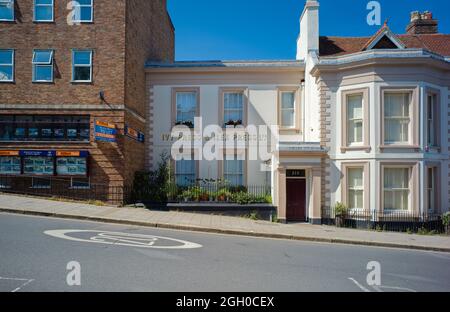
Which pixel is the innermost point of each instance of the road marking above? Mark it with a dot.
(124, 239)
(25, 280)
(359, 285)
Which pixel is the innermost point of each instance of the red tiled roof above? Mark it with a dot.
(335, 46)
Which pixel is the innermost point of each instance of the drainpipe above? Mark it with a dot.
(303, 108)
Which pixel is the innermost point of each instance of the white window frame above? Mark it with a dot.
(357, 189)
(355, 121)
(78, 7)
(36, 5)
(234, 174)
(194, 174)
(400, 119)
(13, 10)
(293, 110)
(177, 117)
(12, 64)
(43, 64)
(393, 190)
(242, 109)
(82, 65)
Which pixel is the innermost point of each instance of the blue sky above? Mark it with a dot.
(268, 29)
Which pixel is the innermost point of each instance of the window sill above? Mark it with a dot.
(8, 21)
(44, 82)
(44, 22)
(40, 187)
(8, 81)
(399, 146)
(87, 82)
(367, 149)
(80, 188)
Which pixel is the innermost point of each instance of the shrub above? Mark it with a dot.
(340, 209)
(446, 219)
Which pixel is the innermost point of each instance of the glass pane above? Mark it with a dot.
(42, 57)
(82, 73)
(6, 57)
(186, 106)
(355, 178)
(354, 107)
(71, 166)
(356, 199)
(43, 73)
(86, 14)
(396, 178)
(38, 165)
(10, 165)
(43, 13)
(49, 2)
(288, 118)
(288, 100)
(82, 57)
(6, 73)
(7, 10)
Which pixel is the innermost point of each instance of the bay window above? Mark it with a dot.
(6, 10)
(43, 66)
(43, 10)
(6, 65)
(397, 188)
(397, 117)
(355, 119)
(433, 122)
(355, 188)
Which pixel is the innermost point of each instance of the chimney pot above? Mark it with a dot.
(422, 23)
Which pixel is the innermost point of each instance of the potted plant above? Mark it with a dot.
(446, 222)
(341, 214)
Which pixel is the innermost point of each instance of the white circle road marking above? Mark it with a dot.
(123, 239)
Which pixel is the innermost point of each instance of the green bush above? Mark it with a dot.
(446, 219)
(340, 209)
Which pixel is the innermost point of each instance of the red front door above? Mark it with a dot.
(296, 200)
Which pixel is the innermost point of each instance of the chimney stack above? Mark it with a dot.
(422, 23)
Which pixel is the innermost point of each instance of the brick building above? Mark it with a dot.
(62, 69)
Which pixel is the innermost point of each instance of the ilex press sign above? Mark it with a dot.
(105, 131)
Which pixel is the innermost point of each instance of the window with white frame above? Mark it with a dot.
(83, 11)
(6, 65)
(432, 122)
(43, 66)
(185, 172)
(397, 117)
(355, 185)
(396, 189)
(82, 66)
(6, 10)
(233, 106)
(431, 189)
(288, 109)
(233, 170)
(355, 119)
(43, 10)
(186, 108)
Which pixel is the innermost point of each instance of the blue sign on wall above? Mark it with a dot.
(37, 153)
(105, 132)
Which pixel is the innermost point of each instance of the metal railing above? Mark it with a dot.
(63, 188)
(392, 221)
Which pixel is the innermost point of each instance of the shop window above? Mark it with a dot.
(185, 172)
(10, 165)
(71, 166)
(80, 183)
(41, 183)
(38, 166)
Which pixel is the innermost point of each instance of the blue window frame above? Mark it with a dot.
(83, 11)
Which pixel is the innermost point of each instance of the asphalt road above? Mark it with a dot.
(35, 252)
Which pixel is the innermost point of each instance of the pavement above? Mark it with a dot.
(48, 254)
(219, 224)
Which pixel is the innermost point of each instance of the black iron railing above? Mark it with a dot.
(393, 221)
(64, 189)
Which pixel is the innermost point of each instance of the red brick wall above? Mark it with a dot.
(106, 36)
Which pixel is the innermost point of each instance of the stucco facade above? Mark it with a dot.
(317, 148)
